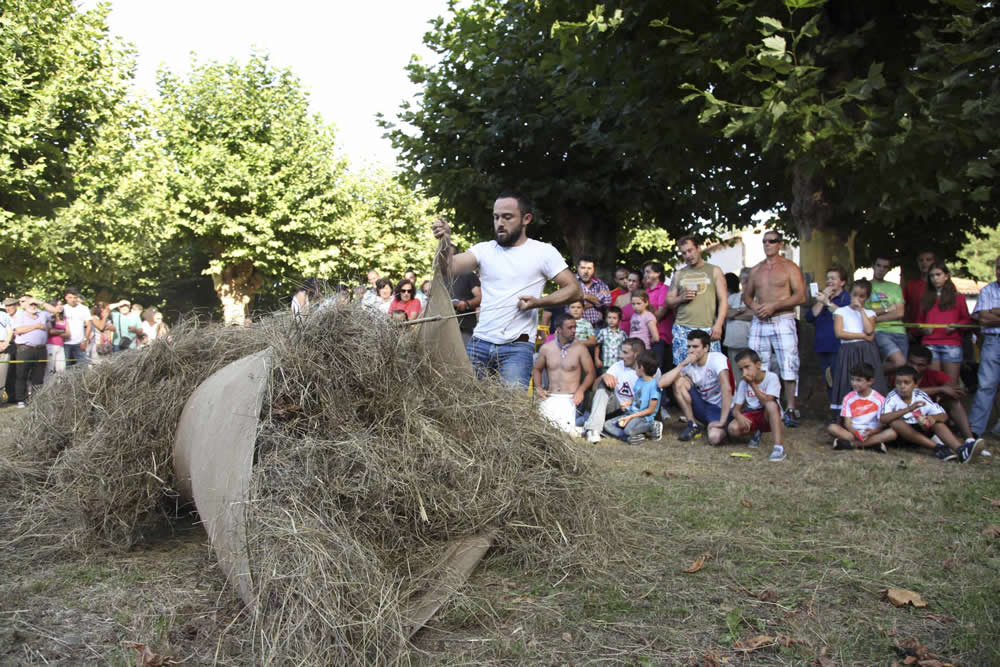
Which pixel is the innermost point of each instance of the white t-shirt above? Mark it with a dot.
(506, 274)
(895, 402)
(76, 321)
(706, 377)
(747, 397)
(852, 321)
(864, 411)
(627, 378)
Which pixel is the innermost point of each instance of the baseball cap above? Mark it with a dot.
(10, 301)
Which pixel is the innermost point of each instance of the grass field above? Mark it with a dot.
(795, 556)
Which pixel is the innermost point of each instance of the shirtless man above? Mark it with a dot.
(563, 357)
(774, 289)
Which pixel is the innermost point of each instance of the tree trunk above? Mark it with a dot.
(236, 287)
(823, 242)
(589, 233)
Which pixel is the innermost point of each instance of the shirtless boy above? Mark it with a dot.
(774, 289)
(563, 357)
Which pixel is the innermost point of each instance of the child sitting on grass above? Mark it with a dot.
(584, 329)
(758, 392)
(859, 414)
(639, 413)
(610, 339)
(917, 419)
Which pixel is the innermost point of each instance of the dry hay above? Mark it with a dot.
(368, 461)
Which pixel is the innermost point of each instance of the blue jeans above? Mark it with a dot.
(633, 426)
(512, 361)
(76, 354)
(989, 376)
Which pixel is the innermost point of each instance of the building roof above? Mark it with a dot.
(968, 287)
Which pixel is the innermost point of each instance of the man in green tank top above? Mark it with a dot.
(699, 294)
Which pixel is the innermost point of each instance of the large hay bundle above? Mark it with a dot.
(368, 461)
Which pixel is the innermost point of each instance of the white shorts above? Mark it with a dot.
(560, 410)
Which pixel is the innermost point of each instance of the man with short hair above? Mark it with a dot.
(596, 295)
(513, 270)
(616, 389)
(987, 313)
(913, 291)
(773, 291)
(621, 285)
(31, 332)
(563, 358)
(700, 297)
(78, 320)
(889, 306)
(703, 389)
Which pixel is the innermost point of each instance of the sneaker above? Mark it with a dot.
(968, 450)
(880, 448)
(593, 437)
(636, 439)
(791, 418)
(944, 453)
(20, 404)
(664, 414)
(840, 443)
(692, 432)
(777, 454)
(754, 440)
(578, 431)
(657, 432)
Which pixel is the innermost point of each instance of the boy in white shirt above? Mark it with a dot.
(916, 418)
(758, 392)
(859, 414)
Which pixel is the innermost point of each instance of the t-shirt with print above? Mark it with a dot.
(894, 402)
(645, 392)
(852, 322)
(627, 380)
(706, 378)
(701, 311)
(505, 274)
(747, 397)
(864, 411)
(584, 330)
(639, 327)
(887, 294)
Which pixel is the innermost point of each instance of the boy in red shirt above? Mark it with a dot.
(860, 427)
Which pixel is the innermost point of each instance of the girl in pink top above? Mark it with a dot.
(942, 304)
(54, 346)
(643, 322)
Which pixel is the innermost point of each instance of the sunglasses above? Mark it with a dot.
(406, 291)
(772, 241)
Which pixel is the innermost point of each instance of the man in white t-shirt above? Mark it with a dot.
(702, 388)
(78, 321)
(513, 270)
(615, 390)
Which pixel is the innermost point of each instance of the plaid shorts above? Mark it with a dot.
(777, 333)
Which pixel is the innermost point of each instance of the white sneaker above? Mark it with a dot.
(777, 454)
(593, 437)
(657, 431)
(20, 404)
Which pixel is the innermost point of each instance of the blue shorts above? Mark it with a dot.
(704, 411)
(889, 342)
(946, 353)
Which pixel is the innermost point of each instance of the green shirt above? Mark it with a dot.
(886, 294)
(702, 310)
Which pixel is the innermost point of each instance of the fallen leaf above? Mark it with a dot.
(147, 658)
(913, 648)
(940, 618)
(786, 640)
(900, 597)
(647, 473)
(746, 503)
(991, 530)
(910, 660)
(753, 643)
(567, 637)
(698, 564)
(768, 595)
(995, 502)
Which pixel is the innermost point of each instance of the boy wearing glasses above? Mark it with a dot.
(31, 332)
(774, 289)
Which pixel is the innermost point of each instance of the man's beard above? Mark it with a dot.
(511, 237)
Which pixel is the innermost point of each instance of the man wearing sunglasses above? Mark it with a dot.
(31, 332)
(513, 271)
(774, 289)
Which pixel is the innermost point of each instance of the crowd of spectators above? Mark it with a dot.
(39, 339)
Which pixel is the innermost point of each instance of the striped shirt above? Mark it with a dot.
(611, 345)
(989, 298)
(599, 289)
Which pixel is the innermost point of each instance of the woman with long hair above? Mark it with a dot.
(941, 306)
(406, 292)
(102, 331)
